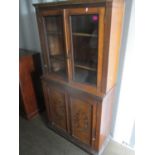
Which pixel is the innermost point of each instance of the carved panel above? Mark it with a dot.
(58, 108)
(81, 124)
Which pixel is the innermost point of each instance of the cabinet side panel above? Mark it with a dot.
(115, 41)
(106, 116)
(26, 86)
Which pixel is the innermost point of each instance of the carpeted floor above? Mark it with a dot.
(36, 139)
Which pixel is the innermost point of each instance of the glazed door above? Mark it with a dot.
(86, 26)
(55, 47)
(56, 106)
(83, 119)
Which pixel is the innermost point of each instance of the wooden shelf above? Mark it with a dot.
(54, 33)
(58, 57)
(85, 35)
(85, 67)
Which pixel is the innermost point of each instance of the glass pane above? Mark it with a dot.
(85, 47)
(55, 37)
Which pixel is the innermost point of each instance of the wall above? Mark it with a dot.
(124, 114)
(28, 30)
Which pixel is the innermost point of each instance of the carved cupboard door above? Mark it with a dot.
(57, 108)
(83, 119)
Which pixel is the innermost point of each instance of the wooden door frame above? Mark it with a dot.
(41, 15)
(85, 11)
(93, 104)
(48, 89)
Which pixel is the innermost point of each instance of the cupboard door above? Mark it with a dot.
(82, 119)
(55, 43)
(87, 44)
(57, 108)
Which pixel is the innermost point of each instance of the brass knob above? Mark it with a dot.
(86, 10)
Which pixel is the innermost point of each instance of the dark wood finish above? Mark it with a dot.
(82, 112)
(79, 86)
(68, 55)
(31, 98)
(99, 11)
(57, 107)
(72, 3)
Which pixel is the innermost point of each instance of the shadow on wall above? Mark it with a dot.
(28, 30)
(127, 16)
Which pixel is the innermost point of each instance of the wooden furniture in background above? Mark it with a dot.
(80, 43)
(30, 91)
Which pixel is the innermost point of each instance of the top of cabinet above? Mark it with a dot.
(73, 3)
(25, 52)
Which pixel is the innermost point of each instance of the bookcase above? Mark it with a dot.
(80, 43)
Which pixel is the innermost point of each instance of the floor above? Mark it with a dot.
(36, 139)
